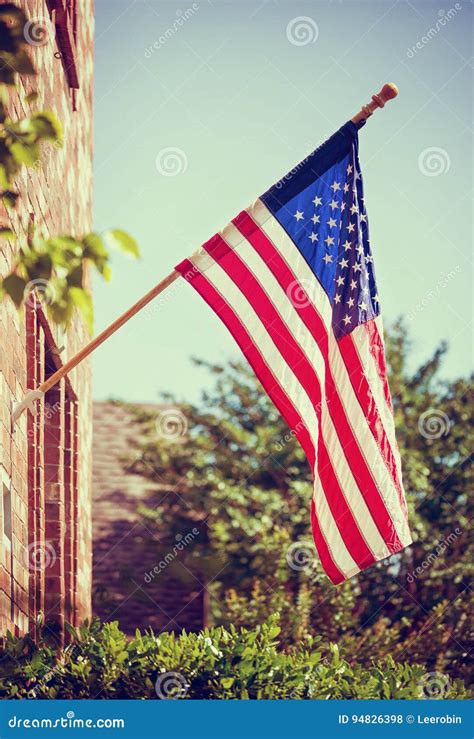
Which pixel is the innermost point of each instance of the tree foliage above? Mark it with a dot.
(55, 267)
(219, 663)
(241, 471)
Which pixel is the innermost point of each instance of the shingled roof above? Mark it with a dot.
(124, 548)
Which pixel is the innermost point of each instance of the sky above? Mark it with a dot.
(200, 107)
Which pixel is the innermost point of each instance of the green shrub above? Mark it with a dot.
(219, 663)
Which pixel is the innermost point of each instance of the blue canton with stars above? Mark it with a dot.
(320, 204)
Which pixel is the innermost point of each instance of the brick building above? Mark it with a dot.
(45, 511)
(125, 550)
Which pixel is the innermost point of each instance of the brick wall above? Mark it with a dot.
(124, 548)
(45, 511)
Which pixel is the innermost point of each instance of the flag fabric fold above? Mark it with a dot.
(292, 277)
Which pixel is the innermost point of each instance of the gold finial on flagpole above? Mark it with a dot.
(388, 92)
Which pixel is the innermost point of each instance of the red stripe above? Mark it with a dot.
(296, 359)
(315, 325)
(378, 352)
(252, 354)
(327, 561)
(363, 392)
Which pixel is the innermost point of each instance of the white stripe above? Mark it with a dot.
(320, 300)
(335, 542)
(292, 256)
(371, 371)
(298, 329)
(243, 309)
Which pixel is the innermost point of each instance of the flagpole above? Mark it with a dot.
(388, 92)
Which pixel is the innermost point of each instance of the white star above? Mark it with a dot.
(313, 237)
(347, 245)
(343, 207)
(353, 284)
(357, 176)
(376, 298)
(317, 201)
(329, 240)
(340, 281)
(333, 204)
(350, 302)
(354, 208)
(365, 290)
(337, 298)
(369, 258)
(327, 258)
(331, 223)
(357, 267)
(343, 263)
(349, 169)
(351, 227)
(363, 306)
(347, 319)
(298, 215)
(315, 219)
(360, 249)
(335, 186)
(346, 187)
(363, 217)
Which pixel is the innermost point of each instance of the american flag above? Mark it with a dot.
(292, 278)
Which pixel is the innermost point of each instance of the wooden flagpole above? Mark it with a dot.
(388, 92)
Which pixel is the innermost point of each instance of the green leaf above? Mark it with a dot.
(6, 233)
(83, 301)
(27, 154)
(121, 241)
(14, 286)
(9, 197)
(32, 97)
(46, 126)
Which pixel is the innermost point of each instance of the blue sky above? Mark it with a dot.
(240, 92)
